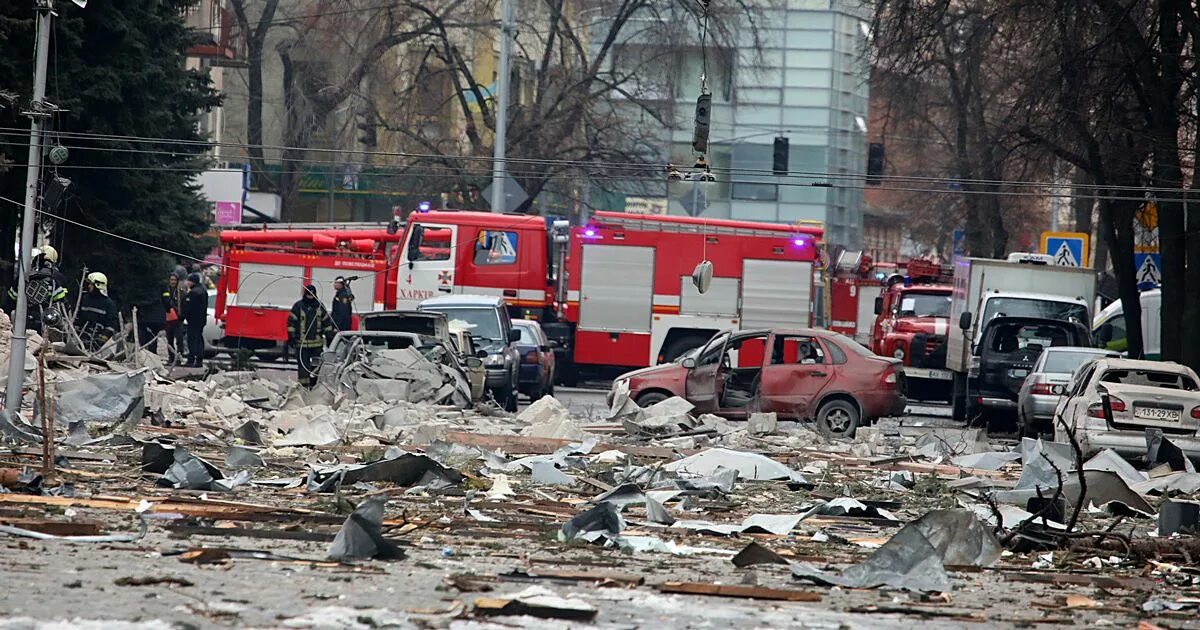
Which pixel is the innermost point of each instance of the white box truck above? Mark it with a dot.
(986, 288)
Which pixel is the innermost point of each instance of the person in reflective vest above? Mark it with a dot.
(96, 320)
(44, 287)
(309, 328)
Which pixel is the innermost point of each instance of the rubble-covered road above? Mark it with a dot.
(237, 500)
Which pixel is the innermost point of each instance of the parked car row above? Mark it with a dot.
(500, 356)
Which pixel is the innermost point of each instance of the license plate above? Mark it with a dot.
(930, 373)
(1154, 413)
(1018, 373)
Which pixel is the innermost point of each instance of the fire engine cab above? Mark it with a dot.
(614, 293)
(911, 324)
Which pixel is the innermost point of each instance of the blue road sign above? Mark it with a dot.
(1068, 250)
(1149, 269)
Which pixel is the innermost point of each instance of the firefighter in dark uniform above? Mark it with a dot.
(309, 328)
(195, 316)
(343, 305)
(44, 287)
(96, 320)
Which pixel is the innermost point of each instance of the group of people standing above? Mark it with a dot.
(310, 327)
(181, 312)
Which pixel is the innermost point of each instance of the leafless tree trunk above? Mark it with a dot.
(256, 38)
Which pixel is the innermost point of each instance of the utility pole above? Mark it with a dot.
(16, 355)
(502, 77)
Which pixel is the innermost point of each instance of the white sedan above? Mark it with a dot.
(1142, 395)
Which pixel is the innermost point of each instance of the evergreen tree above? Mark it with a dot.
(117, 67)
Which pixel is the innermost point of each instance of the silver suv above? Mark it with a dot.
(486, 318)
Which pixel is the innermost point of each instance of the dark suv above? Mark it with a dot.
(1008, 348)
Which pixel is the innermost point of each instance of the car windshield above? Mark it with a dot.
(481, 322)
(527, 335)
(1018, 336)
(924, 305)
(1025, 307)
(1066, 362)
(1150, 378)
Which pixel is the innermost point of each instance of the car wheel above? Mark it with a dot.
(838, 417)
(650, 398)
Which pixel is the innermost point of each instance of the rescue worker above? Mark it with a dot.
(343, 305)
(44, 287)
(173, 301)
(194, 312)
(309, 328)
(96, 320)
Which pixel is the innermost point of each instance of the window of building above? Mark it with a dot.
(752, 179)
(493, 247)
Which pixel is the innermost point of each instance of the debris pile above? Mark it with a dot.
(384, 473)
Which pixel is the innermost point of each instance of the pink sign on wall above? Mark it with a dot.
(229, 212)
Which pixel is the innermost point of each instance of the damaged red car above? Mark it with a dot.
(803, 374)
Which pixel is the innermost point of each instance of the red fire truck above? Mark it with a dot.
(853, 287)
(911, 324)
(616, 292)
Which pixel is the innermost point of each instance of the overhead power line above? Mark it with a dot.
(584, 164)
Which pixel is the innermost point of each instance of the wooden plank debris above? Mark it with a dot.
(739, 590)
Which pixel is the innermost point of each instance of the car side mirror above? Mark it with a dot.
(481, 354)
(514, 335)
(688, 363)
(878, 306)
(964, 321)
(474, 362)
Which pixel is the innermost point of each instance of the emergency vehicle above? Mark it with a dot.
(912, 321)
(616, 292)
(852, 285)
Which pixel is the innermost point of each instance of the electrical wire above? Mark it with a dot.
(11, 131)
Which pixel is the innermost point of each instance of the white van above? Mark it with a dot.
(1108, 328)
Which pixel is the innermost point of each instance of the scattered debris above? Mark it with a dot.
(536, 601)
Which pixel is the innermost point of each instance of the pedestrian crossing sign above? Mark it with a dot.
(1149, 270)
(1069, 249)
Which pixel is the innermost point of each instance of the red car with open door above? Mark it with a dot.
(801, 374)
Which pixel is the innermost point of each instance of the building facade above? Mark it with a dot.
(806, 82)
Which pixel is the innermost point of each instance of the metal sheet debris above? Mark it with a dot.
(748, 465)
(360, 537)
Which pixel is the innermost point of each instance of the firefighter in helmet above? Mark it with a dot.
(96, 319)
(44, 287)
(309, 328)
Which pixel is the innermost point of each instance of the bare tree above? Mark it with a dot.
(592, 86)
(255, 38)
(954, 69)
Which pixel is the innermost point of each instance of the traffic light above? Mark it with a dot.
(779, 161)
(700, 131)
(875, 157)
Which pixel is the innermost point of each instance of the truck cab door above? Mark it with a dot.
(705, 382)
(426, 267)
(795, 371)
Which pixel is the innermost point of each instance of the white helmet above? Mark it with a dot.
(98, 280)
(48, 252)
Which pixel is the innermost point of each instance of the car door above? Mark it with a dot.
(1068, 405)
(795, 371)
(704, 383)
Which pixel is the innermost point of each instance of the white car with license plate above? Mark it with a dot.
(1142, 395)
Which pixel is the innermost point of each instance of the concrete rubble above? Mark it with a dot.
(384, 490)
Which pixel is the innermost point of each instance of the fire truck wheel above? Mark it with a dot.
(838, 417)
